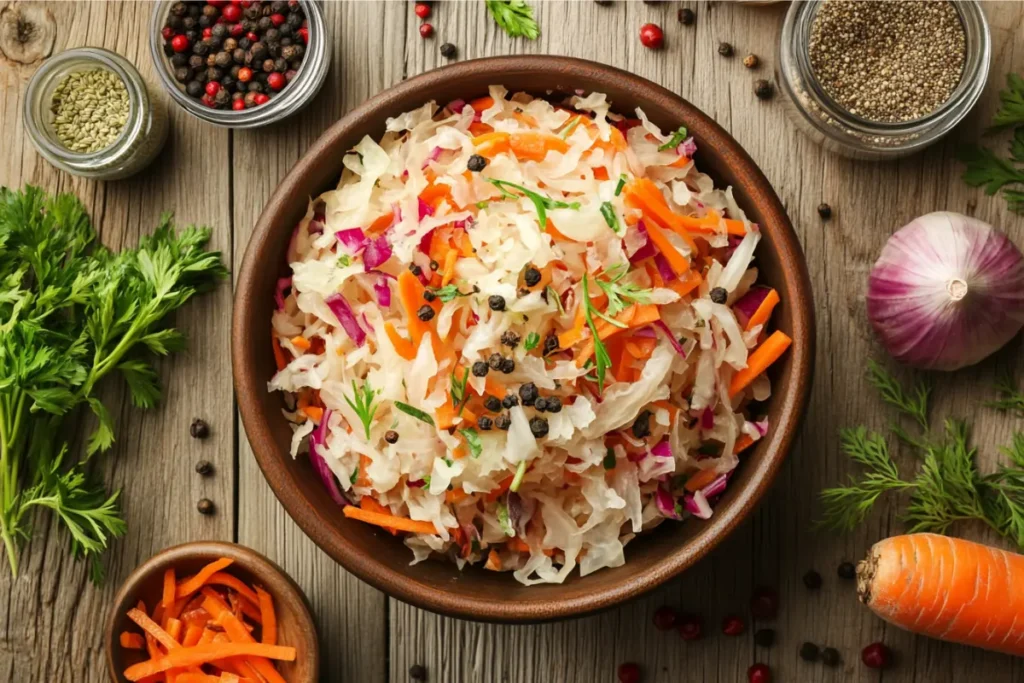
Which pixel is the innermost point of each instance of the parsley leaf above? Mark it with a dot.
(621, 184)
(540, 202)
(473, 441)
(1011, 113)
(415, 412)
(458, 390)
(447, 293)
(503, 521)
(602, 360)
(677, 139)
(608, 212)
(621, 294)
(515, 17)
(363, 405)
(531, 341)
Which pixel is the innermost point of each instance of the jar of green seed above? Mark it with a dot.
(89, 112)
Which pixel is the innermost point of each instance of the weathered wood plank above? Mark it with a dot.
(51, 615)
(777, 545)
(351, 616)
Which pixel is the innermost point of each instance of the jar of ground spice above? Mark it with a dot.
(879, 80)
(89, 112)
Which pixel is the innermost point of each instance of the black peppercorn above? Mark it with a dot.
(425, 313)
(295, 20)
(415, 270)
(686, 16)
(492, 403)
(550, 344)
(494, 360)
(830, 656)
(812, 580)
(195, 10)
(272, 35)
(539, 427)
(484, 423)
(238, 56)
(719, 295)
(434, 265)
(279, 6)
(528, 392)
(286, 32)
(267, 65)
(642, 424)
(508, 366)
(223, 59)
(448, 50)
(480, 368)
(510, 401)
(299, 50)
(809, 652)
(204, 467)
(168, 50)
(214, 73)
(258, 51)
(510, 339)
(204, 21)
(188, 23)
(541, 404)
(205, 506)
(251, 14)
(183, 74)
(222, 98)
(429, 295)
(503, 422)
(194, 89)
(196, 62)
(531, 276)
(554, 404)
(763, 89)
(847, 571)
(230, 44)
(496, 302)
(199, 429)
(179, 9)
(179, 59)
(764, 637)
(192, 35)
(210, 11)
(219, 31)
(211, 59)
(264, 24)
(244, 43)
(391, 436)
(201, 48)
(725, 49)
(476, 163)
(250, 99)
(825, 211)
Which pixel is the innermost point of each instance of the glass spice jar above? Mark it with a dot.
(823, 120)
(142, 135)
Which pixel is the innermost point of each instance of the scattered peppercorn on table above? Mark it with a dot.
(774, 593)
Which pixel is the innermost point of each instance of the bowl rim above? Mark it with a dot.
(436, 598)
(246, 557)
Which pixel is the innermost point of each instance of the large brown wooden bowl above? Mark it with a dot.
(382, 560)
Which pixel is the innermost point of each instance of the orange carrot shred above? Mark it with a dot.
(153, 629)
(770, 350)
(194, 583)
(279, 358)
(269, 635)
(192, 635)
(235, 584)
(167, 602)
(237, 633)
(764, 310)
(203, 654)
(389, 521)
(301, 343)
(132, 641)
(449, 267)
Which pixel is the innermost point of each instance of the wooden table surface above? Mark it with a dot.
(51, 615)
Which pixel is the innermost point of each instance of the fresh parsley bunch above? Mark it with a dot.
(985, 167)
(514, 17)
(71, 313)
(947, 487)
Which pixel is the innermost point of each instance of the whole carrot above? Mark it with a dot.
(947, 588)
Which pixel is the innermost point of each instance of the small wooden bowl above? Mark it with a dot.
(374, 555)
(295, 625)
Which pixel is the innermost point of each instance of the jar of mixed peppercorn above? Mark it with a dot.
(240, 64)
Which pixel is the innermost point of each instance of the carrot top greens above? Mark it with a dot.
(947, 488)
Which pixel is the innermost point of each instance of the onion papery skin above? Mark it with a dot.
(946, 292)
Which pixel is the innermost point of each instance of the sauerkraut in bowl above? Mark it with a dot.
(521, 332)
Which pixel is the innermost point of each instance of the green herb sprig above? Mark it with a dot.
(447, 293)
(540, 202)
(415, 412)
(602, 361)
(620, 294)
(514, 17)
(71, 314)
(946, 488)
(987, 169)
(531, 341)
(610, 217)
(476, 447)
(363, 405)
(677, 139)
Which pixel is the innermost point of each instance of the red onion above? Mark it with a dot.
(664, 269)
(425, 209)
(687, 148)
(315, 226)
(377, 252)
(663, 326)
(343, 312)
(666, 504)
(646, 251)
(283, 283)
(662, 450)
(433, 156)
(716, 487)
(418, 484)
(353, 239)
(946, 292)
(697, 505)
(707, 419)
(323, 470)
(457, 105)
(646, 333)
(383, 291)
(747, 305)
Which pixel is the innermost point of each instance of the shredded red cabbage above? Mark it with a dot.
(748, 304)
(662, 450)
(646, 251)
(457, 105)
(425, 210)
(666, 504)
(646, 332)
(707, 419)
(317, 437)
(383, 291)
(316, 226)
(697, 505)
(661, 325)
(283, 283)
(687, 148)
(353, 239)
(377, 252)
(716, 487)
(343, 312)
(417, 484)
(664, 269)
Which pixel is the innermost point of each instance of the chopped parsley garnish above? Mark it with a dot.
(514, 17)
(426, 481)
(621, 294)
(482, 205)
(602, 360)
(674, 141)
(531, 342)
(518, 479)
(447, 293)
(540, 202)
(503, 520)
(362, 403)
(355, 475)
(608, 212)
(552, 294)
(609, 459)
(458, 390)
(621, 184)
(415, 412)
(473, 441)
(567, 131)
(344, 261)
